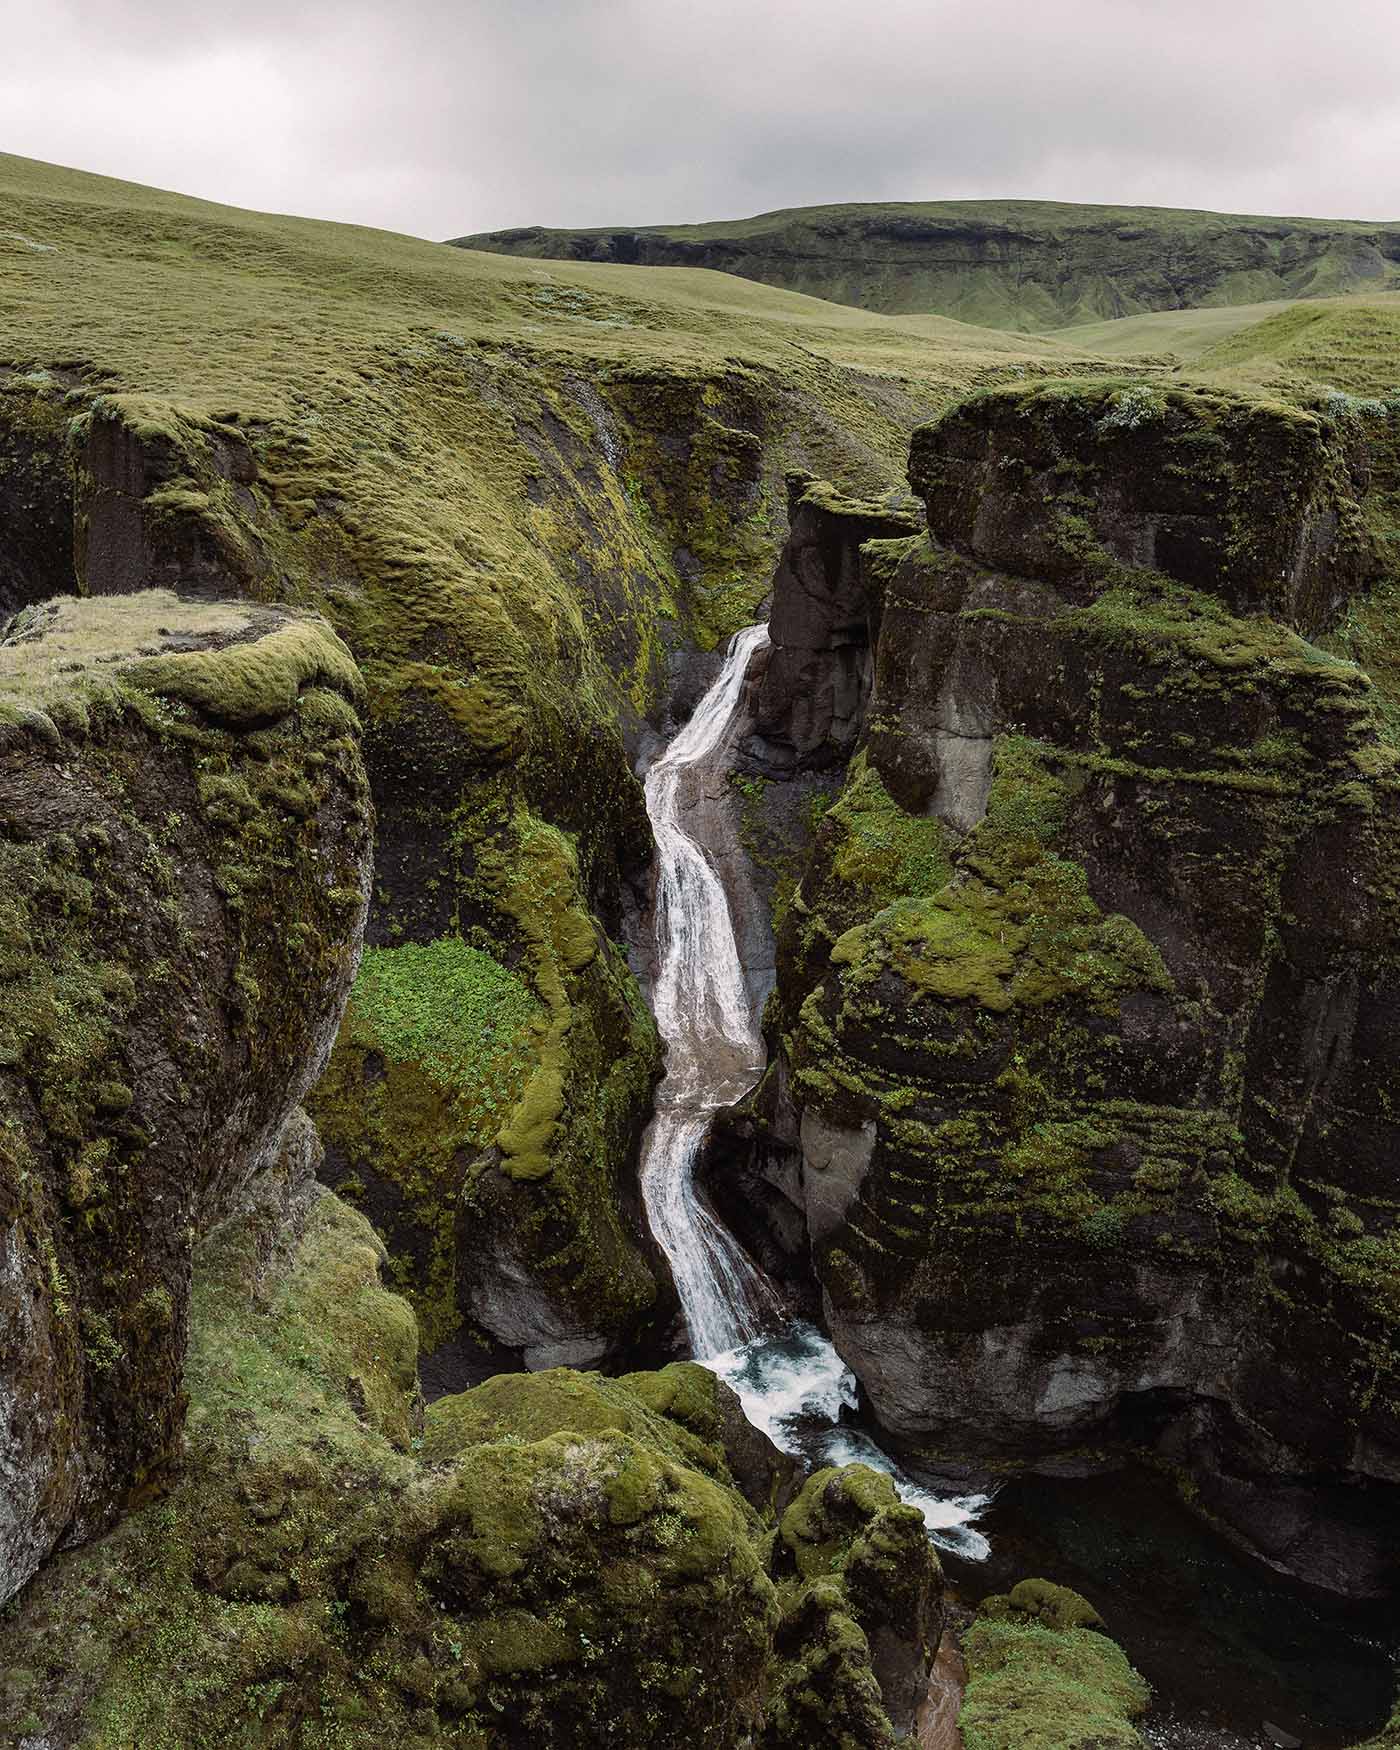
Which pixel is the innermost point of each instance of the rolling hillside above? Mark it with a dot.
(1021, 265)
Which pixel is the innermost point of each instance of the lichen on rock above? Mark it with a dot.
(185, 865)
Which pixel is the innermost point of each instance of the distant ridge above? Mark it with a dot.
(1022, 265)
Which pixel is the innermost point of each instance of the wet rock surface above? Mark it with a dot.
(1100, 939)
(186, 863)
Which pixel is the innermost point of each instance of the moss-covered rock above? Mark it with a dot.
(1082, 1002)
(1256, 503)
(1041, 1676)
(185, 866)
(862, 1613)
(550, 1559)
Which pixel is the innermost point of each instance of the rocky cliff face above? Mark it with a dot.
(1087, 994)
(1008, 264)
(550, 1559)
(186, 857)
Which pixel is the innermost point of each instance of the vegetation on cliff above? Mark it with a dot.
(1091, 957)
(1027, 265)
(551, 1559)
(185, 869)
(515, 491)
(1043, 1675)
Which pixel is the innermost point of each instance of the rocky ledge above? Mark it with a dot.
(1085, 1044)
(184, 863)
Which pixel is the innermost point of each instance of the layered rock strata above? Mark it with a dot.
(1086, 1041)
(186, 858)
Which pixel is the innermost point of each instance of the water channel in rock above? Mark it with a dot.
(789, 1378)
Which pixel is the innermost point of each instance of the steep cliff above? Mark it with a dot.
(1086, 996)
(186, 855)
(1022, 265)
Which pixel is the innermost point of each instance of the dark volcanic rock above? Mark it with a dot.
(814, 690)
(184, 869)
(1255, 504)
(1089, 992)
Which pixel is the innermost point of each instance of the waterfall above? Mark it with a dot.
(789, 1378)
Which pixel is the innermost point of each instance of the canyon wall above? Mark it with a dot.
(1084, 1036)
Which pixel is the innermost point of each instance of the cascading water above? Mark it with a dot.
(788, 1376)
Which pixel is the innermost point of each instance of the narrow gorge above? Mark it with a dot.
(790, 1380)
(701, 1007)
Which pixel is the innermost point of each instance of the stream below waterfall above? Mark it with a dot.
(790, 1380)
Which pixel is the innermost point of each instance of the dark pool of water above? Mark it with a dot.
(1222, 1639)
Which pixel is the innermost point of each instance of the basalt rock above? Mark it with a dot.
(185, 863)
(1088, 994)
(817, 679)
(1255, 504)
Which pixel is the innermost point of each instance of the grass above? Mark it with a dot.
(1021, 265)
(449, 1008)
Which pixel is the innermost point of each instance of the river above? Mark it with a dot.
(787, 1374)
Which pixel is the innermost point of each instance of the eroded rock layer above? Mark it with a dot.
(184, 866)
(1088, 993)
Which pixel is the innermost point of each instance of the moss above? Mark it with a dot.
(1044, 1602)
(1033, 1687)
(254, 682)
(534, 1406)
(322, 1574)
(1018, 928)
(882, 849)
(447, 1053)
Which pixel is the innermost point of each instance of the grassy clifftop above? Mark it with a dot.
(1021, 265)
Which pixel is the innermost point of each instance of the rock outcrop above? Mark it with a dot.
(1042, 1670)
(816, 680)
(186, 861)
(551, 1559)
(1086, 999)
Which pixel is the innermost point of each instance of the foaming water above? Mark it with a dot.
(790, 1380)
(795, 1387)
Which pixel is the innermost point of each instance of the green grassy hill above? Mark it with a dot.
(1020, 265)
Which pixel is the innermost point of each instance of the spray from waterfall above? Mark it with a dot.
(788, 1376)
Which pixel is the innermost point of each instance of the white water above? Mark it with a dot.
(789, 1378)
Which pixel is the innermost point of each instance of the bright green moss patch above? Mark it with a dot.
(1031, 1687)
(885, 850)
(66, 657)
(436, 1050)
(1016, 924)
(453, 1010)
(1035, 940)
(532, 1406)
(252, 682)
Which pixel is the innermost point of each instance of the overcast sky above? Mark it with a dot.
(447, 116)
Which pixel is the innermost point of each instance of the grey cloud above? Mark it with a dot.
(441, 118)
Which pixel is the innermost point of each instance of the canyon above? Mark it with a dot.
(563, 1147)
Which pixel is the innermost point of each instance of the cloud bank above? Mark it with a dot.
(440, 118)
